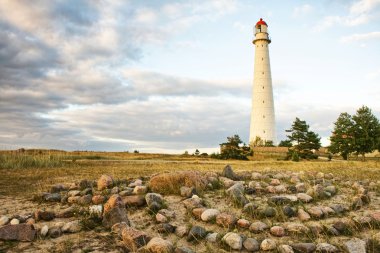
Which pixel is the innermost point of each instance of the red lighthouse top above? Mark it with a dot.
(261, 22)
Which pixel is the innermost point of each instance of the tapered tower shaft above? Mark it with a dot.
(262, 116)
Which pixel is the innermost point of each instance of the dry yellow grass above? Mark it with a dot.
(26, 181)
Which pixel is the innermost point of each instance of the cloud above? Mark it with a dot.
(302, 10)
(361, 37)
(359, 13)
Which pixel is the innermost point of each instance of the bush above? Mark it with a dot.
(295, 157)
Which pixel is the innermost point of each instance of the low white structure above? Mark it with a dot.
(262, 116)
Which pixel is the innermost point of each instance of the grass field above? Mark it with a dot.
(24, 173)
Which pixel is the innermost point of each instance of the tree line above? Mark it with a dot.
(352, 135)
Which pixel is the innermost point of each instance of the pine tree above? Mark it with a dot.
(366, 131)
(342, 139)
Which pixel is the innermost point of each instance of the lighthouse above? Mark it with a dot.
(262, 115)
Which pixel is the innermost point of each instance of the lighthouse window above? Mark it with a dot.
(263, 101)
(262, 45)
(262, 59)
(264, 131)
(263, 73)
(263, 87)
(263, 116)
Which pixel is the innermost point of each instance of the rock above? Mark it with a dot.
(154, 201)
(233, 240)
(114, 201)
(85, 200)
(275, 182)
(338, 208)
(268, 244)
(357, 203)
(251, 245)
(302, 215)
(229, 173)
(30, 221)
(118, 228)
(355, 245)
(165, 228)
(44, 230)
(104, 182)
(226, 182)
(133, 238)
(55, 232)
(67, 213)
(196, 233)
(279, 200)
(285, 249)
(236, 193)
(212, 237)
(268, 212)
(86, 191)
(167, 213)
(52, 197)
(73, 193)
(193, 203)
(183, 250)
(181, 231)
(126, 192)
(139, 190)
(43, 215)
(197, 212)
(84, 183)
(250, 208)
(72, 227)
(73, 200)
(209, 214)
(96, 210)
(331, 189)
(14, 221)
(134, 201)
(256, 176)
(225, 220)
(115, 215)
(342, 227)
(327, 210)
(98, 199)
(301, 187)
(4, 220)
(243, 223)
(57, 188)
(115, 190)
(159, 245)
(19, 232)
(304, 197)
(326, 248)
(187, 192)
(258, 227)
(304, 247)
(296, 228)
(289, 211)
(161, 218)
(316, 212)
(315, 228)
(137, 182)
(277, 231)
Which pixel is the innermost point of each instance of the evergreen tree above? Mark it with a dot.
(305, 141)
(342, 139)
(285, 143)
(232, 149)
(366, 131)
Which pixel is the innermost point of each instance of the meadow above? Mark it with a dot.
(37, 170)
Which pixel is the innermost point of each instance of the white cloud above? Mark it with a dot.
(241, 27)
(302, 10)
(361, 37)
(360, 12)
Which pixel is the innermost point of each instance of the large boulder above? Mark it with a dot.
(229, 173)
(20, 232)
(104, 182)
(233, 240)
(115, 215)
(114, 201)
(236, 193)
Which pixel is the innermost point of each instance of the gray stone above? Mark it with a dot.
(212, 237)
(133, 238)
(55, 232)
(258, 227)
(304, 197)
(44, 230)
(140, 189)
(165, 228)
(326, 248)
(4, 220)
(181, 231)
(316, 212)
(289, 211)
(52, 197)
(193, 202)
(151, 198)
(187, 192)
(236, 193)
(251, 245)
(196, 233)
(233, 240)
(229, 173)
(19, 232)
(355, 245)
(72, 227)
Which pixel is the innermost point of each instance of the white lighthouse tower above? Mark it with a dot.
(262, 116)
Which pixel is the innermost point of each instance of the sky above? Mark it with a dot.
(169, 76)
